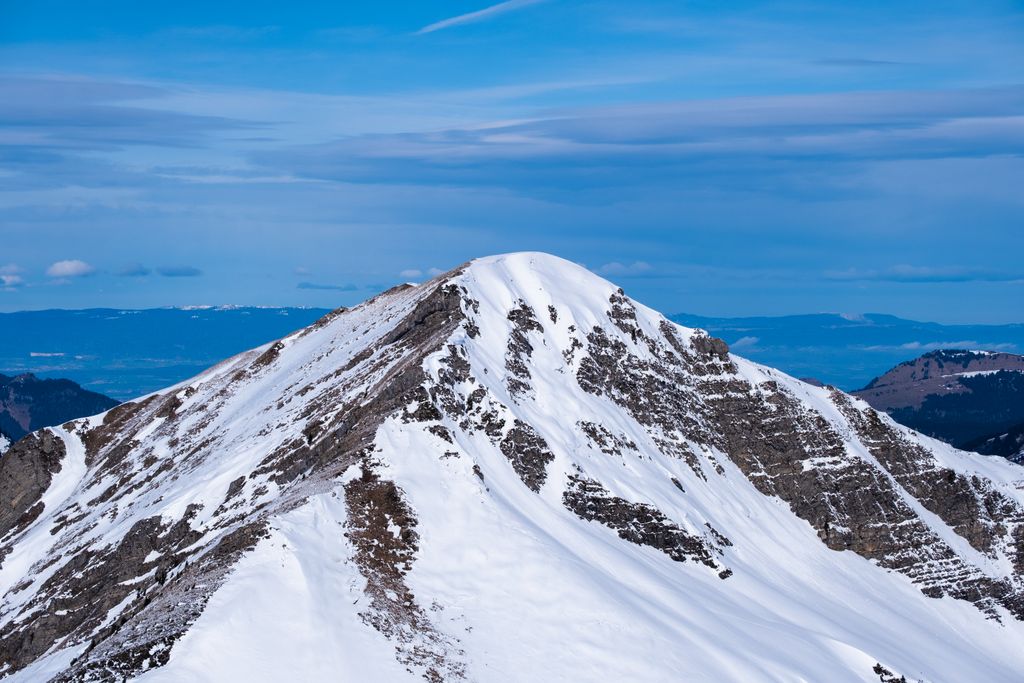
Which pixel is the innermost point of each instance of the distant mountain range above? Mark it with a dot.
(127, 353)
(28, 403)
(971, 399)
(848, 351)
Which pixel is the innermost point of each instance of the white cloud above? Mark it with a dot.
(634, 268)
(70, 268)
(412, 273)
(745, 342)
(478, 15)
(9, 277)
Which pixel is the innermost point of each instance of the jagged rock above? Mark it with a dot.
(637, 522)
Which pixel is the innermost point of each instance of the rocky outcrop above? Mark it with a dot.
(692, 391)
(26, 471)
(528, 454)
(641, 524)
(382, 529)
(517, 355)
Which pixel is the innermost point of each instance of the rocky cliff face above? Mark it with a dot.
(512, 471)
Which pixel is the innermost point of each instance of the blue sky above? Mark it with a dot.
(735, 158)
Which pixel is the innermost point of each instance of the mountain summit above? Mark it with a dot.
(512, 472)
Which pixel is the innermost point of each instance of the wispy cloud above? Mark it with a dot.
(745, 343)
(179, 271)
(967, 344)
(908, 273)
(351, 33)
(134, 270)
(699, 141)
(418, 272)
(855, 62)
(61, 114)
(10, 277)
(478, 15)
(348, 287)
(614, 268)
(219, 32)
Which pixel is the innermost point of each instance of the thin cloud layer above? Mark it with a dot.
(925, 274)
(616, 269)
(134, 270)
(10, 277)
(642, 143)
(179, 271)
(348, 287)
(61, 114)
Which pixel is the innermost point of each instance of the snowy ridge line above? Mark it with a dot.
(511, 472)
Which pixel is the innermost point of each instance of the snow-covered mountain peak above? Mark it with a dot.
(547, 285)
(510, 472)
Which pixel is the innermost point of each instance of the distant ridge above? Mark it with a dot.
(28, 403)
(125, 353)
(847, 350)
(964, 397)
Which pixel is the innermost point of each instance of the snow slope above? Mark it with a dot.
(510, 473)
